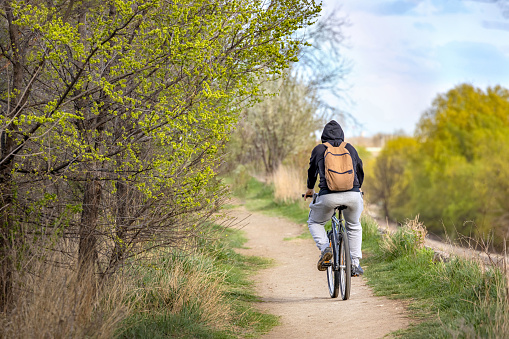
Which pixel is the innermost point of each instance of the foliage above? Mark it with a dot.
(114, 115)
(461, 137)
(453, 173)
(280, 125)
(282, 128)
(386, 180)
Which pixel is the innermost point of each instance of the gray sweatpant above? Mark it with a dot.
(321, 211)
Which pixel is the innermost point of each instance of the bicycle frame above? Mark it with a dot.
(338, 270)
(337, 227)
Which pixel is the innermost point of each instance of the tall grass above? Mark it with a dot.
(370, 232)
(55, 302)
(177, 293)
(458, 298)
(201, 293)
(289, 184)
(406, 240)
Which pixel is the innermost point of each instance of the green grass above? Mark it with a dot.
(458, 298)
(259, 197)
(216, 260)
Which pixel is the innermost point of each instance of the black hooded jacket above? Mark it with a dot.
(332, 133)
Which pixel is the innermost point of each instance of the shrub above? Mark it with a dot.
(407, 239)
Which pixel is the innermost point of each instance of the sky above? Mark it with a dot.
(405, 52)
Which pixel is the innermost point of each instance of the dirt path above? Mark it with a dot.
(297, 292)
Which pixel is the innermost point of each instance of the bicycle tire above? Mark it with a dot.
(332, 274)
(345, 266)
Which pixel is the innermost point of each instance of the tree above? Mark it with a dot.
(279, 125)
(287, 122)
(114, 114)
(462, 135)
(322, 66)
(386, 179)
(454, 173)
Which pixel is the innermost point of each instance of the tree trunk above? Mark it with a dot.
(6, 263)
(7, 226)
(8, 145)
(117, 255)
(87, 253)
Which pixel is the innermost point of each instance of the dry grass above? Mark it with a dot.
(288, 184)
(54, 302)
(178, 286)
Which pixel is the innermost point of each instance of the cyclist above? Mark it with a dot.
(322, 208)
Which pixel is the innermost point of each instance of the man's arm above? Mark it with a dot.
(360, 172)
(313, 169)
(312, 174)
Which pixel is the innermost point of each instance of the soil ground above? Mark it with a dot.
(297, 292)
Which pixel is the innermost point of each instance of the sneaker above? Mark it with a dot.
(325, 256)
(357, 271)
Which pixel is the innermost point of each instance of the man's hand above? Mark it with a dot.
(309, 194)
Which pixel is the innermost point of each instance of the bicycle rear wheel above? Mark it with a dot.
(332, 274)
(345, 266)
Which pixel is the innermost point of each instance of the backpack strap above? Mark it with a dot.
(328, 144)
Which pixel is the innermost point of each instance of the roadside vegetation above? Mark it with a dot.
(201, 293)
(460, 298)
(451, 172)
(204, 294)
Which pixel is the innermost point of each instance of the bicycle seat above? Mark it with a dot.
(341, 207)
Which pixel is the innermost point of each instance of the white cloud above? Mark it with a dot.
(406, 52)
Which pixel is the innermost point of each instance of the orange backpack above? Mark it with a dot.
(339, 172)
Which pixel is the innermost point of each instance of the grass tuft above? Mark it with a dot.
(285, 189)
(407, 239)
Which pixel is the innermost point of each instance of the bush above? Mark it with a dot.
(407, 239)
(241, 178)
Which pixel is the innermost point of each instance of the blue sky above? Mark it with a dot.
(405, 52)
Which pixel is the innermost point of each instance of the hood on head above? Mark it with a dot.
(333, 133)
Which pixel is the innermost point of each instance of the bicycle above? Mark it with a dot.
(339, 268)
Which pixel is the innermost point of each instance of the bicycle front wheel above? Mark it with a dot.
(332, 274)
(345, 266)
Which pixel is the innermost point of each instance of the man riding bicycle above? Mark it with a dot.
(322, 208)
